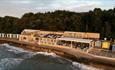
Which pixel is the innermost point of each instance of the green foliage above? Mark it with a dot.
(102, 21)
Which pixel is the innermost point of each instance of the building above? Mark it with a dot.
(84, 35)
(75, 42)
(47, 37)
(27, 35)
(68, 39)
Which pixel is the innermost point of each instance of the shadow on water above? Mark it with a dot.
(41, 62)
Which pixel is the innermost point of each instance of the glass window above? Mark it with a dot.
(24, 37)
(36, 38)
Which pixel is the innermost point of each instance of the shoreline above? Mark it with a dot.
(63, 52)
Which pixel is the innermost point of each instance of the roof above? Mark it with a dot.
(28, 31)
(75, 40)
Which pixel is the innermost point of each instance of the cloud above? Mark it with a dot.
(19, 7)
(22, 2)
(85, 6)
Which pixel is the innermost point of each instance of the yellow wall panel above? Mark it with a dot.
(106, 45)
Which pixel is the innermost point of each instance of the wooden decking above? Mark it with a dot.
(76, 54)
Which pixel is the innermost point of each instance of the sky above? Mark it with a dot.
(18, 7)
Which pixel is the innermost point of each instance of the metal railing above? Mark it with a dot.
(10, 36)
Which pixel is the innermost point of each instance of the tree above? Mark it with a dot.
(97, 20)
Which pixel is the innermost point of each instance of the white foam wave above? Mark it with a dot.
(9, 63)
(83, 67)
(47, 54)
(28, 54)
(14, 49)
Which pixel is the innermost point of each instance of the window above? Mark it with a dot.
(24, 37)
(37, 38)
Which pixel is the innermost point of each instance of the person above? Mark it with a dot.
(105, 38)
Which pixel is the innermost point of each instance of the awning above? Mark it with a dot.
(75, 40)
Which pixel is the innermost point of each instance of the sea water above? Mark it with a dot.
(14, 58)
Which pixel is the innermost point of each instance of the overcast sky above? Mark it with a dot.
(19, 7)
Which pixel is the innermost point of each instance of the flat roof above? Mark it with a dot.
(30, 30)
(75, 39)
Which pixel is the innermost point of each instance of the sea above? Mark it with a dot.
(14, 58)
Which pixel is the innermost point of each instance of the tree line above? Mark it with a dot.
(97, 20)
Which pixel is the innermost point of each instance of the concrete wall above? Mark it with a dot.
(92, 35)
(26, 38)
(81, 35)
(44, 41)
(50, 32)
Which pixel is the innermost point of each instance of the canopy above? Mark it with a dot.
(75, 40)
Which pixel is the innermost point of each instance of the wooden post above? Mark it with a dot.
(9, 35)
(71, 44)
(3, 35)
(39, 40)
(0, 34)
(46, 41)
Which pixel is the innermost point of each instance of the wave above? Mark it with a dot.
(28, 54)
(13, 48)
(9, 63)
(47, 54)
(83, 67)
